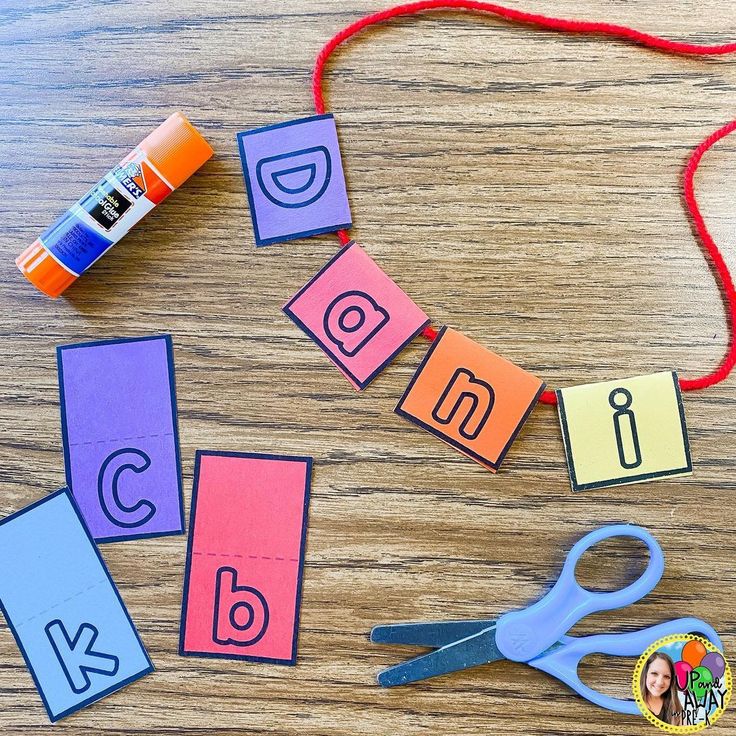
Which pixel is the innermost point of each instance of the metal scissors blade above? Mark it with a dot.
(433, 634)
(479, 648)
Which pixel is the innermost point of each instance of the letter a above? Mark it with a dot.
(76, 656)
(233, 600)
(464, 385)
(352, 319)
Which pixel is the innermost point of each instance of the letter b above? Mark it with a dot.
(241, 612)
(352, 319)
(464, 385)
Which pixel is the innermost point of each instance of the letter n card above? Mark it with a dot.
(64, 609)
(624, 431)
(242, 584)
(121, 443)
(359, 317)
(469, 397)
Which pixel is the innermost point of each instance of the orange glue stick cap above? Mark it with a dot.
(46, 274)
(176, 149)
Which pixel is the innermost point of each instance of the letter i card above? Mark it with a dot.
(121, 443)
(243, 576)
(64, 609)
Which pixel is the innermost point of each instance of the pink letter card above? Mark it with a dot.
(243, 576)
(356, 314)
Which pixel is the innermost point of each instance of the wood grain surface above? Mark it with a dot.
(523, 187)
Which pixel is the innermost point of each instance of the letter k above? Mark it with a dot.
(76, 656)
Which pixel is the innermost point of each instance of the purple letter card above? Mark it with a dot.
(294, 178)
(121, 443)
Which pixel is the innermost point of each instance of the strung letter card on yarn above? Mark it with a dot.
(294, 179)
(470, 397)
(359, 317)
(243, 575)
(624, 431)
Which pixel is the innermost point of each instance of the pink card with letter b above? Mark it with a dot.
(356, 314)
(242, 582)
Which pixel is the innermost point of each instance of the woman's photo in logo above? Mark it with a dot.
(682, 683)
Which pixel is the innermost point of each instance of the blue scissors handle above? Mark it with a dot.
(562, 661)
(524, 634)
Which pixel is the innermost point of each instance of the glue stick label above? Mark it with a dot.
(106, 213)
(105, 204)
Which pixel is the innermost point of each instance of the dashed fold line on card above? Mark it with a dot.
(248, 557)
(60, 603)
(122, 439)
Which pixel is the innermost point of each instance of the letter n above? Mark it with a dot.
(468, 397)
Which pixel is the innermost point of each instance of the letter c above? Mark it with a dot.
(142, 511)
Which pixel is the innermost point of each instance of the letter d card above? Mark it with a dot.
(64, 609)
(242, 583)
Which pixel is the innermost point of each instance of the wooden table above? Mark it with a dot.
(523, 187)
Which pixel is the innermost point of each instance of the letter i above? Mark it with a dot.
(624, 424)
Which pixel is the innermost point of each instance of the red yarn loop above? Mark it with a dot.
(719, 266)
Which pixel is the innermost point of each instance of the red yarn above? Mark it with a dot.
(722, 273)
(719, 265)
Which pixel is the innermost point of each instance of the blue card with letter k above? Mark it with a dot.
(63, 608)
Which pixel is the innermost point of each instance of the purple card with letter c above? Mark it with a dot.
(121, 443)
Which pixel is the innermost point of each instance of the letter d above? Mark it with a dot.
(241, 612)
(352, 319)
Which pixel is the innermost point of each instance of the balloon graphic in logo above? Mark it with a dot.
(295, 179)
(715, 663)
(682, 672)
(701, 681)
(693, 653)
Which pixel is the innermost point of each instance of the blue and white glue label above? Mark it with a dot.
(106, 213)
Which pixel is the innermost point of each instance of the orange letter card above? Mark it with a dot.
(242, 582)
(469, 397)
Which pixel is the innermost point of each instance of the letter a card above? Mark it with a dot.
(121, 443)
(63, 608)
(359, 317)
(469, 397)
(243, 577)
(625, 431)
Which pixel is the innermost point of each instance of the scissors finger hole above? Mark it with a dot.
(612, 564)
(608, 674)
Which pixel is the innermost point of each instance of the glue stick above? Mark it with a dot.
(145, 177)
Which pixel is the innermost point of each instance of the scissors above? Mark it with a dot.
(537, 635)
